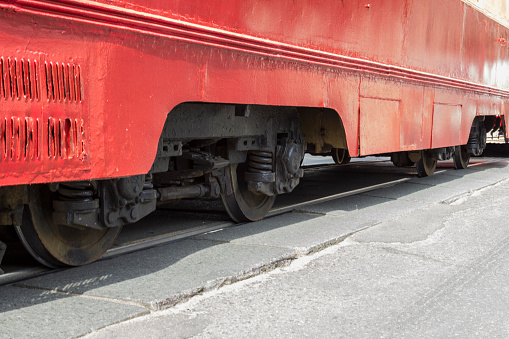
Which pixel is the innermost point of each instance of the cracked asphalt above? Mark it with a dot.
(424, 258)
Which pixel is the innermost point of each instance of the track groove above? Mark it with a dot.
(134, 246)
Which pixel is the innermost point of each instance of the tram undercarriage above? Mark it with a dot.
(250, 155)
(244, 154)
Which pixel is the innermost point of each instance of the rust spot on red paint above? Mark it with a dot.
(19, 139)
(3, 138)
(66, 139)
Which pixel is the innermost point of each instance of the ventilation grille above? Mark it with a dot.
(20, 79)
(22, 139)
(19, 139)
(63, 81)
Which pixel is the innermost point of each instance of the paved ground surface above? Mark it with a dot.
(425, 258)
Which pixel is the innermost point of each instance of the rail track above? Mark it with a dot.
(23, 273)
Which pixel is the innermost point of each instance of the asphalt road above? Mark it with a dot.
(425, 258)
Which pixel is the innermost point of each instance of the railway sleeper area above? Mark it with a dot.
(245, 155)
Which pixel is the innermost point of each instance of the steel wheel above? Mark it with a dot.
(426, 165)
(461, 157)
(55, 245)
(401, 159)
(340, 156)
(244, 205)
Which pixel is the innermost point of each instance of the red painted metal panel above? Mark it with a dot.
(446, 124)
(382, 116)
(411, 120)
(343, 95)
(137, 60)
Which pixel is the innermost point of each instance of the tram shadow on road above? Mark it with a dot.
(163, 276)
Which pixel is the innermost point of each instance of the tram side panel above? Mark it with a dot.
(133, 77)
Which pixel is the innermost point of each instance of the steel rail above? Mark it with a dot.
(165, 239)
(23, 274)
(32, 272)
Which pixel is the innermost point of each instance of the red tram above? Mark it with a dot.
(108, 107)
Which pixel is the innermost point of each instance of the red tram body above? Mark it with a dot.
(114, 105)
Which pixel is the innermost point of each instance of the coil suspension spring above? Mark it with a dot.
(79, 191)
(148, 182)
(259, 161)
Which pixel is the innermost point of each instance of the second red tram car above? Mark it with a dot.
(108, 107)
